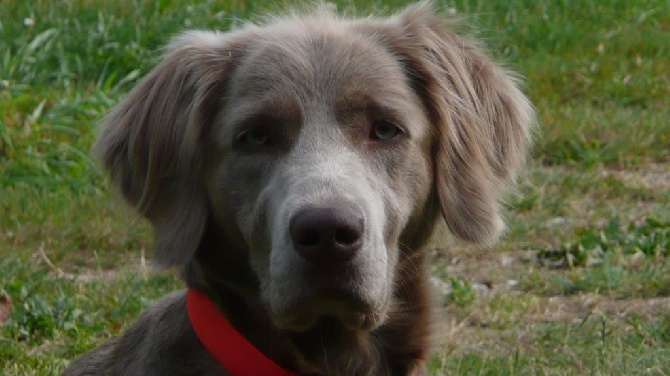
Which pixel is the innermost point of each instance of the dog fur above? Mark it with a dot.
(389, 123)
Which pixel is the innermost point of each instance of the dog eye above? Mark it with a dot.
(255, 137)
(383, 130)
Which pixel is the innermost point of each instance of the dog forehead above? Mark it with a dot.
(317, 63)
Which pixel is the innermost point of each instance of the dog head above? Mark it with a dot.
(321, 150)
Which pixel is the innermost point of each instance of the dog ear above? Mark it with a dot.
(151, 143)
(482, 120)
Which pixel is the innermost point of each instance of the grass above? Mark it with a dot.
(579, 285)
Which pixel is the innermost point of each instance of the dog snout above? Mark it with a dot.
(327, 236)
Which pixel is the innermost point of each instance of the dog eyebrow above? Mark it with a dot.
(279, 116)
(380, 111)
(373, 108)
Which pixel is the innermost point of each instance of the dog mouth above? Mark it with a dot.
(333, 305)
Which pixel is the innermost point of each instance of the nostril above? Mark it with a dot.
(346, 236)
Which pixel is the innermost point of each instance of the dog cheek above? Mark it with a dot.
(381, 254)
(258, 236)
(271, 256)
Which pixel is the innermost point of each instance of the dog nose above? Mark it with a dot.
(327, 236)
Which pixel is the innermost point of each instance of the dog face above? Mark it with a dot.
(321, 148)
(324, 161)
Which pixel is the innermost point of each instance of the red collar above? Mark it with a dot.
(237, 355)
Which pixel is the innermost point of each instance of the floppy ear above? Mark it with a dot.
(482, 120)
(151, 143)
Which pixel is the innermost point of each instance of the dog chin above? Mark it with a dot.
(352, 321)
(351, 315)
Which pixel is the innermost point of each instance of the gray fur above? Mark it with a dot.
(318, 85)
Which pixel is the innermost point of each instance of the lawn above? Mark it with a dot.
(579, 285)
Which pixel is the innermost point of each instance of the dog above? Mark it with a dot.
(294, 171)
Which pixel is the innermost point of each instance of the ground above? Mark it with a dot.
(578, 285)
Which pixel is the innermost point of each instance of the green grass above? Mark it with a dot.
(579, 285)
